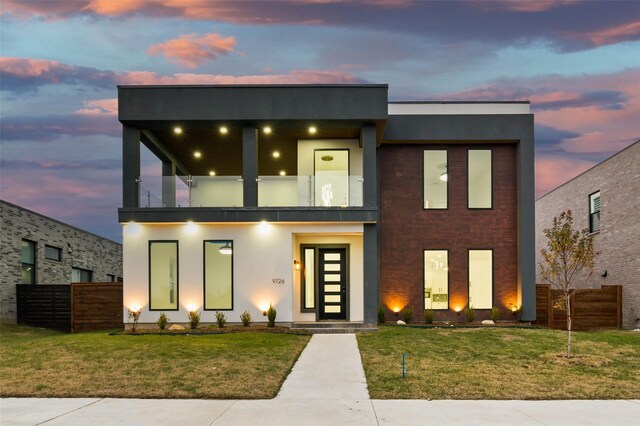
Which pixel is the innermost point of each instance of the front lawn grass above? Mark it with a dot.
(495, 363)
(42, 363)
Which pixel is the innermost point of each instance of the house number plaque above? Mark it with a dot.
(278, 280)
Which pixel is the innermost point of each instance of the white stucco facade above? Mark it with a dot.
(263, 267)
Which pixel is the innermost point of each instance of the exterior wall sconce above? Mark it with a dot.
(604, 273)
(296, 265)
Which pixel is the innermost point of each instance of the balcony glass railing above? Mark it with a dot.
(328, 190)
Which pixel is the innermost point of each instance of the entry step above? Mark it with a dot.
(326, 327)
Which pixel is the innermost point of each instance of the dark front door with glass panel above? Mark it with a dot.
(332, 283)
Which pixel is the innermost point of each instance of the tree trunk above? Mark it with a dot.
(568, 325)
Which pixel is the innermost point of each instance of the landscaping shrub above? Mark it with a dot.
(407, 314)
(495, 314)
(163, 320)
(271, 316)
(221, 319)
(470, 313)
(428, 316)
(135, 316)
(380, 314)
(194, 319)
(245, 317)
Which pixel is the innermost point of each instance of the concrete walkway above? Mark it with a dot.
(327, 386)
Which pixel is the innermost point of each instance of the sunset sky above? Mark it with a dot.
(577, 62)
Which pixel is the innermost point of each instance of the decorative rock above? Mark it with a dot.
(176, 327)
(488, 322)
(637, 329)
(400, 322)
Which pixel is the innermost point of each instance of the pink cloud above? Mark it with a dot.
(100, 107)
(552, 172)
(51, 71)
(529, 6)
(617, 34)
(189, 50)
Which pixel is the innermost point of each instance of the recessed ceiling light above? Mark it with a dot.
(197, 154)
(177, 130)
(283, 173)
(212, 173)
(312, 130)
(267, 130)
(276, 154)
(224, 130)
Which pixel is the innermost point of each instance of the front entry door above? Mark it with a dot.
(332, 282)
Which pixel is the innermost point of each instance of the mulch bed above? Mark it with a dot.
(211, 329)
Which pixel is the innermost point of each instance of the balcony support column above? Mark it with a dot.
(250, 166)
(369, 165)
(130, 166)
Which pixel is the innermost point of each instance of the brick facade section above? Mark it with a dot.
(618, 242)
(88, 251)
(406, 229)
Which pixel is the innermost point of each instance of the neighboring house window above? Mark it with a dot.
(53, 253)
(309, 276)
(79, 275)
(479, 179)
(594, 212)
(111, 278)
(481, 279)
(435, 178)
(436, 279)
(28, 259)
(218, 275)
(163, 275)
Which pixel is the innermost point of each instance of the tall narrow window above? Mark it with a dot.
(79, 275)
(218, 275)
(163, 275)
(309, 285)
(28, 259)
(594, 212)
(479, 179)
(436, 279)
(435, 178)
(481, 279)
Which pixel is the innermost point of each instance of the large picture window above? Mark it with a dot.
(435, 178)
(28, 260)
(218, 275)
(163, 275)
(594, 212)
(481, 279)
(436, 279)
(479, 179)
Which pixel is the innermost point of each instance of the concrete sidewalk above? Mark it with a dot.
(327, 386)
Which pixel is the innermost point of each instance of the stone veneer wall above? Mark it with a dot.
(618, 180)
(88, 251)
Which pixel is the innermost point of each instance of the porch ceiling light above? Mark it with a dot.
(276, 154)
(224, 130)
(197, 154)
(212, 173)
(312, 130)
(177, 130)
(283, 173)
(226, 249)
(266, 130)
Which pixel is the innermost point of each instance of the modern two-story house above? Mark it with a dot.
(325, 201)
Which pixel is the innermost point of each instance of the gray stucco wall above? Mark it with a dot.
(88, 251)
(618, 180)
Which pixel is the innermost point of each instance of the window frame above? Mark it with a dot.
(446, 151)
(424, 275)
(177, 243)
(35, 260)
(82, 270)
(493, 277)
(46, 246)
(491, 176)
(204, 275)
(591, 230)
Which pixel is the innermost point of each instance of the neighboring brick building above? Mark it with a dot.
(605, 199)
(36, 249)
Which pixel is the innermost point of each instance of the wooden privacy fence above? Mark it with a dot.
(71, 307)
(591, 308)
